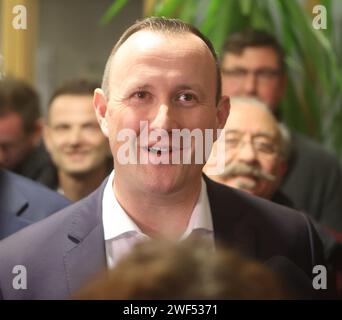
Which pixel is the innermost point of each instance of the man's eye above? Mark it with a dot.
(187, 97)
(91, 126)
(232, 142)
(235, 72)
(61, 128)
(265, 147)
(141, 94)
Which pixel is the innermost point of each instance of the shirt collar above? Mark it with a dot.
(116, 222)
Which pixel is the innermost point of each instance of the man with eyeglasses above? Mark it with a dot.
(256, 150)
(253, 65)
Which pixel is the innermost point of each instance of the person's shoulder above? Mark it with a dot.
(50, 234)
(58, 225)
(33, 190)
(43, 247)
(259, 210)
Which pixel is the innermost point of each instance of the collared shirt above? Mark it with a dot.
(121, 233)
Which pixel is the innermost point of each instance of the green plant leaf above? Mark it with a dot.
(113, 10)
(168, 8)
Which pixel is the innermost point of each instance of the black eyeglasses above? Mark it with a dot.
(262, 74)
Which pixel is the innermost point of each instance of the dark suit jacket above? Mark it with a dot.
(23, 202)
(313, 182)
(61, 253)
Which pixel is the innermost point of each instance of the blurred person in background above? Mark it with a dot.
(21, 148)
(253, 64)
(256, 150)
(79, 151)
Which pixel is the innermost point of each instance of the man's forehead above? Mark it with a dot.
(247, 117)
(261, 54)
(11, 117)
(145, 41)
(70, 97)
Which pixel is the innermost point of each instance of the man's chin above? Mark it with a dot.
(243, 182)
(77, 172)
(160, 179)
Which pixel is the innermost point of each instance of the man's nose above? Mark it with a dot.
(250, 84)
(75, 136)
(247, 153)
(164, 118)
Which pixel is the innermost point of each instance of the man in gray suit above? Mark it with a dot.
(161, 77)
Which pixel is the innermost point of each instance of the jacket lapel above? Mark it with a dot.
(233, 224)
(86, 257)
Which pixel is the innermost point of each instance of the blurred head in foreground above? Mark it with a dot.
(185, 270)
(256, 148)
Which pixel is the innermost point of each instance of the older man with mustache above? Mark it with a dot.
(256, 149)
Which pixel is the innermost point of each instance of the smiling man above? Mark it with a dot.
(72, 135)
(164, 72)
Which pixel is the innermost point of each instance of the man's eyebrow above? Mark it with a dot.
(234, 131)
(264, 135)
(186, 86)
(191, 86)
(138, 86)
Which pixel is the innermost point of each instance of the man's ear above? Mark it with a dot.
(100, 106)
(222, 112)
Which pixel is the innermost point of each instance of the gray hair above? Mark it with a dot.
(284, 133)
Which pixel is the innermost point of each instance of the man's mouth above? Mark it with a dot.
(159, 150)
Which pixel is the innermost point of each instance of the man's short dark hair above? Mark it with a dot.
(165, 26)
(19, 97)
(253, 38)
(81, 87)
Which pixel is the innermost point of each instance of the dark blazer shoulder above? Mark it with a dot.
(263, 229)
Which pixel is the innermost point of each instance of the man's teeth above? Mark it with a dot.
(158, 150)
